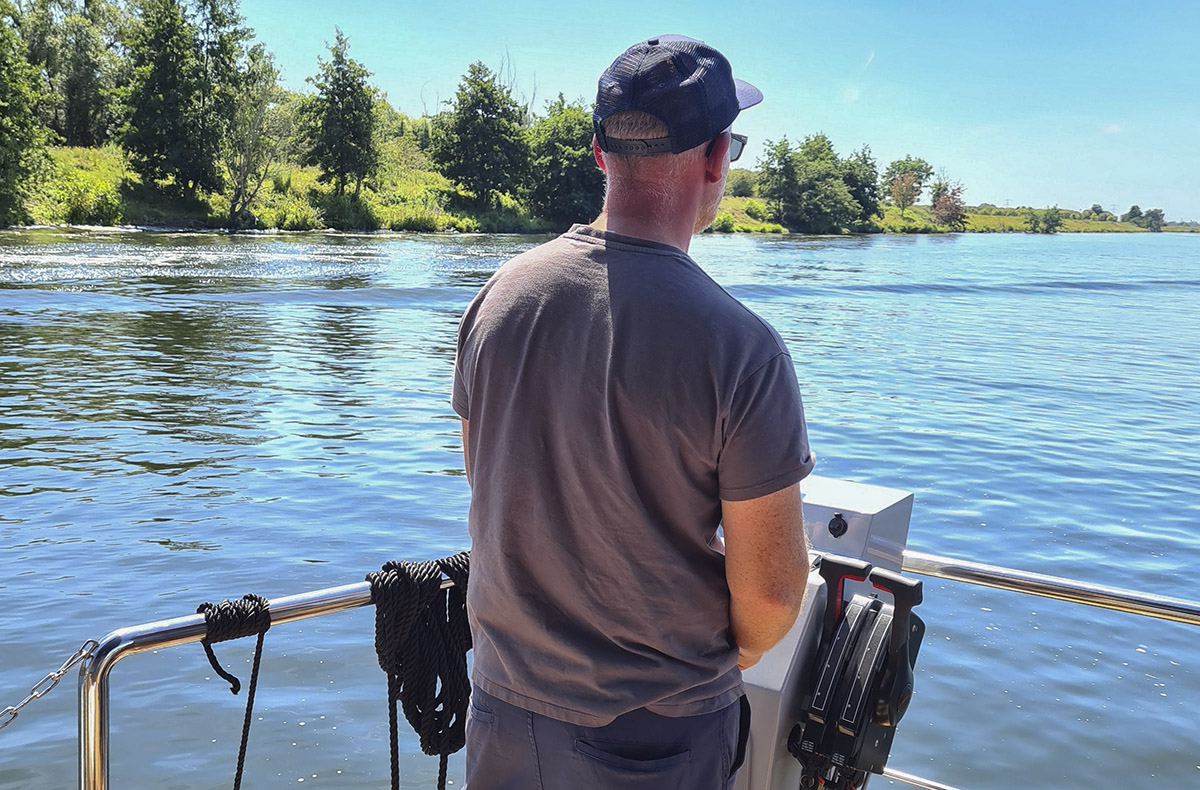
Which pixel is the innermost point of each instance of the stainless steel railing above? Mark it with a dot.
(94, 673)
(1157, 606)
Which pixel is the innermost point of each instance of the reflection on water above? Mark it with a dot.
(188, 417)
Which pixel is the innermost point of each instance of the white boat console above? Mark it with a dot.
(844, 520)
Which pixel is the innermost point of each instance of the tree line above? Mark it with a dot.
(195, 103)
(810, 188)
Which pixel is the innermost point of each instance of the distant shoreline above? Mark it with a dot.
(116, 230)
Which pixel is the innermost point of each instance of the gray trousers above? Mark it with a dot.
(509, 748)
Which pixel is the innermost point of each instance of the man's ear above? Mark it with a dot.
(714, 165)
(596, 152)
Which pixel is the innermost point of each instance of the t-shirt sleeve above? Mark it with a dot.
(765, 446)
(460, 397)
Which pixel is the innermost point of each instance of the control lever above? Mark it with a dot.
(862, 689)
(836, 570)
(906, 593)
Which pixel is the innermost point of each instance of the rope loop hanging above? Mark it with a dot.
(421, 639)
(233, 620)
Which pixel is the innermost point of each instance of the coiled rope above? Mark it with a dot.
(233, 620)
(421, 638)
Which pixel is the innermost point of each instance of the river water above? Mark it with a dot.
(190, 417)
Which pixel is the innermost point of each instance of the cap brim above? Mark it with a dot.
(747, 94)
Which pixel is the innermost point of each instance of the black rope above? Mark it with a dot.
(422, 638)
(233, 620)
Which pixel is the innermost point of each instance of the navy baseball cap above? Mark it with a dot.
(684, 83)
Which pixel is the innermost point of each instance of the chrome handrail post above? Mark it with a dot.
(93, 713)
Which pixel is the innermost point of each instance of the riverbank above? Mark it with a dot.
(745, 214)
(95, 187)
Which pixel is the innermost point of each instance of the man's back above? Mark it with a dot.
(614, 395)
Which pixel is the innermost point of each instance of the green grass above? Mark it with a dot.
(735, 208)
(96, 186)
(81, 186)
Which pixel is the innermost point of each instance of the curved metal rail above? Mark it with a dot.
(93, 674)
(1115, 598)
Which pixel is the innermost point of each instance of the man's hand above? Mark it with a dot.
(766, 565)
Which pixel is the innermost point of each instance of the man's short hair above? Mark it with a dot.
(655, 169)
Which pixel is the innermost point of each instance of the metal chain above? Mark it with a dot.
(43, 686)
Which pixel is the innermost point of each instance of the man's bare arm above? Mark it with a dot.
(466, 456)
(766, 565)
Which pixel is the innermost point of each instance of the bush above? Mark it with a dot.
(416, 219)
(724, 222)
(281, 181)
(345, 212)
(296, 213)
(464, 224)
(756, 210)
(91, 202)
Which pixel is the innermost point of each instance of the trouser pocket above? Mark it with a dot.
(625, 766)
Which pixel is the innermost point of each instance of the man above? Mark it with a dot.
(618, 406)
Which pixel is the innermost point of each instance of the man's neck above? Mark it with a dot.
(640, 226)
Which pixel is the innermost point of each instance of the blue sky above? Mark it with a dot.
(1031, 103)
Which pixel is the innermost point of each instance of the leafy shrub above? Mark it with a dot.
(345, 212)
(416, 219)
(464, 224)
(756, 210)
(91, 202)
(724, 222)
(281, 181)
(296, 213)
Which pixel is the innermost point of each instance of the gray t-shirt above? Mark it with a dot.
(615, 394)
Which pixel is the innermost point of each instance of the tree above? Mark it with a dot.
(75, 47)
(904, 190)
(565, 184)
(257, 132)
(861, 177)
(22, 137)
(806, 187)
(949, 209)
(479, 141)
(220, 48)
(164, 130)
(1152, 220)
(1051, 220)
(1033, 222)
(778, 181)
(825, 203)
(340, 120)
(909, 189)
(741, 182)
(1132, 215)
